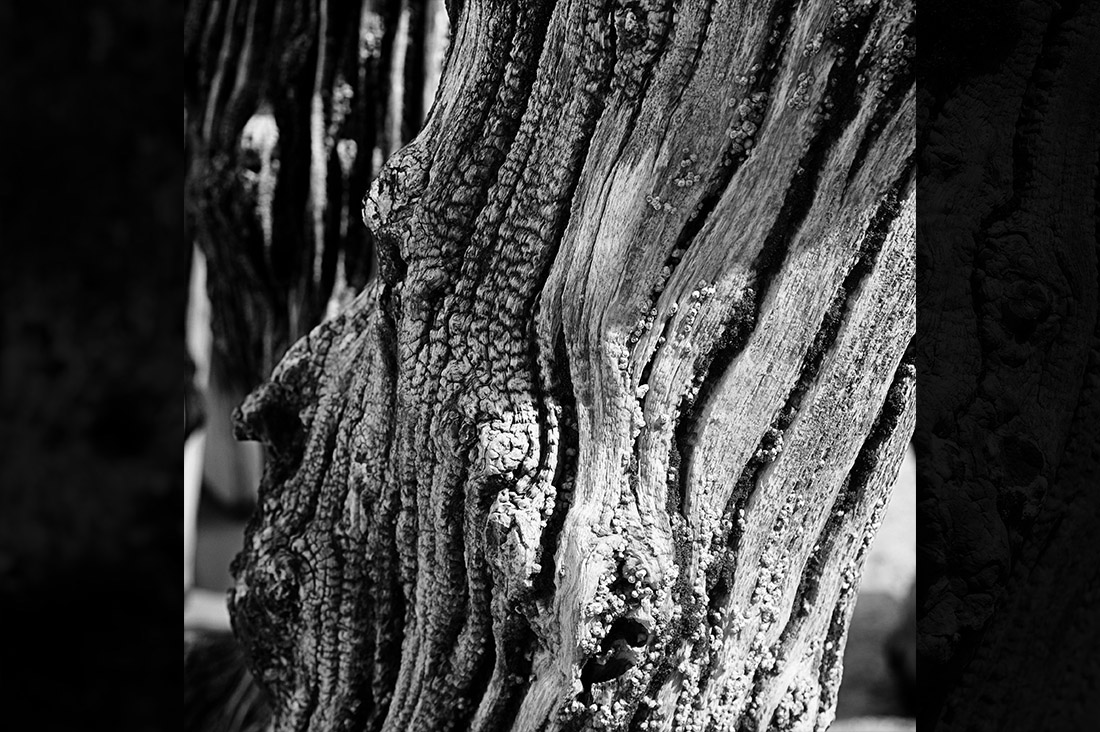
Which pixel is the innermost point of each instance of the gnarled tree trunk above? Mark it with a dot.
(605, 444)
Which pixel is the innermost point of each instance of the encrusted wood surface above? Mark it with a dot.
(605, 445)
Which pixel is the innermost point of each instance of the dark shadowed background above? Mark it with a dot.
(93, 285)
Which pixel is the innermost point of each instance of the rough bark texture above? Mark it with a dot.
(1009, 351)
(605, 444)
(290, 109)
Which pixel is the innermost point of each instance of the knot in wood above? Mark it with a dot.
(503, 445)
(398, 186)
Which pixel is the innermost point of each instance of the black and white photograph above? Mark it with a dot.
(551, 365)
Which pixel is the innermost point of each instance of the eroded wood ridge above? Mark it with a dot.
(645, 283)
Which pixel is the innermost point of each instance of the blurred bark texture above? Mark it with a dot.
(605, 441)
(290, 108)
(1007, 445)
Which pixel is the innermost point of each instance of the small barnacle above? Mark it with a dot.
(813, 45)
(800, 98)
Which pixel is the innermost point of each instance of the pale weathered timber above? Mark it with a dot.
(606, 444)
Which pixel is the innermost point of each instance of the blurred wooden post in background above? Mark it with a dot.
(289, 110)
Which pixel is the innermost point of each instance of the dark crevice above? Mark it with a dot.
(565, 472)
(802, 190)
(668, 645)
(732, 339)
(870, 453)
(359, 614)
(647, 369)
(565, 469)
(478, 681)
(504, 714)
(559, 388)
(309, 708)
(757, 95)
(615, 656)
(899, 68)
(621, 647)
(852, 492)
(676, 469)
(833, 646)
